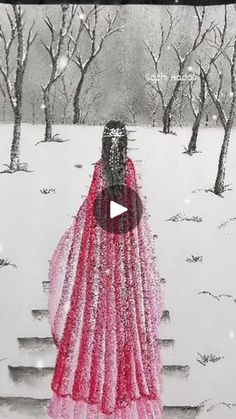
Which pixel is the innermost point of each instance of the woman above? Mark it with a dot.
(105, 306)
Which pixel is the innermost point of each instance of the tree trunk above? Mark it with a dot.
(64, 117)
(192, 146)
(220, 178)
(76, 103)
(48, 115)
(33, 113)
(166, 119)
(15, 147)
(17, 107)
(167, 114)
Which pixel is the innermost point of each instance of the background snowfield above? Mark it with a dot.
(31, 223)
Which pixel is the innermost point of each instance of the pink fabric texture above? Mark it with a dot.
(105, 306)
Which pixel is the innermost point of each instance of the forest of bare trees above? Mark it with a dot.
(224, 45)
(187, 79)
(214, 82)
(13, 72)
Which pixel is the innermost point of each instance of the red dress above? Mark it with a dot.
(104, 309)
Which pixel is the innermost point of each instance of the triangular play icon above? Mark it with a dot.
(116, 209)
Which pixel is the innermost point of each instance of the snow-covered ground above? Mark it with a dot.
(31, 223)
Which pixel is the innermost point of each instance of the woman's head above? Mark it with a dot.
(114, 152)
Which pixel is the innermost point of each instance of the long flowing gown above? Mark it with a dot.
(105, 306)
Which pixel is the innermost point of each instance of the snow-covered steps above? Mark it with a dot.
(44, 343)
(23, 408)
(32, 408)
(40, 314)
(26, 374)
(178, 371)
(165, 316)
(36, 343)
(181, 412)
(46, 284)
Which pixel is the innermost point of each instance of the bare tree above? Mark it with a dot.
(153, 105)
(181, 105)
(156, 58)
(67, 93)
(223, 49)
(4, 104)
(197, 104)
(13, 71)
(132, 110)
(89, 98)
(182, 59)
(90, 23)
(60, 53)
(53, 104)
(153, 102)
(34, 101)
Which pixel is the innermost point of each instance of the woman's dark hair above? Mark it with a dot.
(114, 152)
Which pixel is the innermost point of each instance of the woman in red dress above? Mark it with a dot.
(105, 305)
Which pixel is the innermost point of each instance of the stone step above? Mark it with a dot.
(25, 377)
(28, 373)
(46, 284)
(40, 314)
(32, 408)
(44, 343)
(41, 358)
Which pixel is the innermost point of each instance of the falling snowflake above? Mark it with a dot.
(187, 201)
(62, 62)
(231, 334)
(190, 68)
(231, 94)
(168, 47)
(82, 16)
(214, 117)
(1, 247)
(42, 106)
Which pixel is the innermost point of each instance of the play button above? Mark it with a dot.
(118, 209)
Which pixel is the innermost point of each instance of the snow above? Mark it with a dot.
(82, 16)
(62, 62)
(31, 224)
(231, 334)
